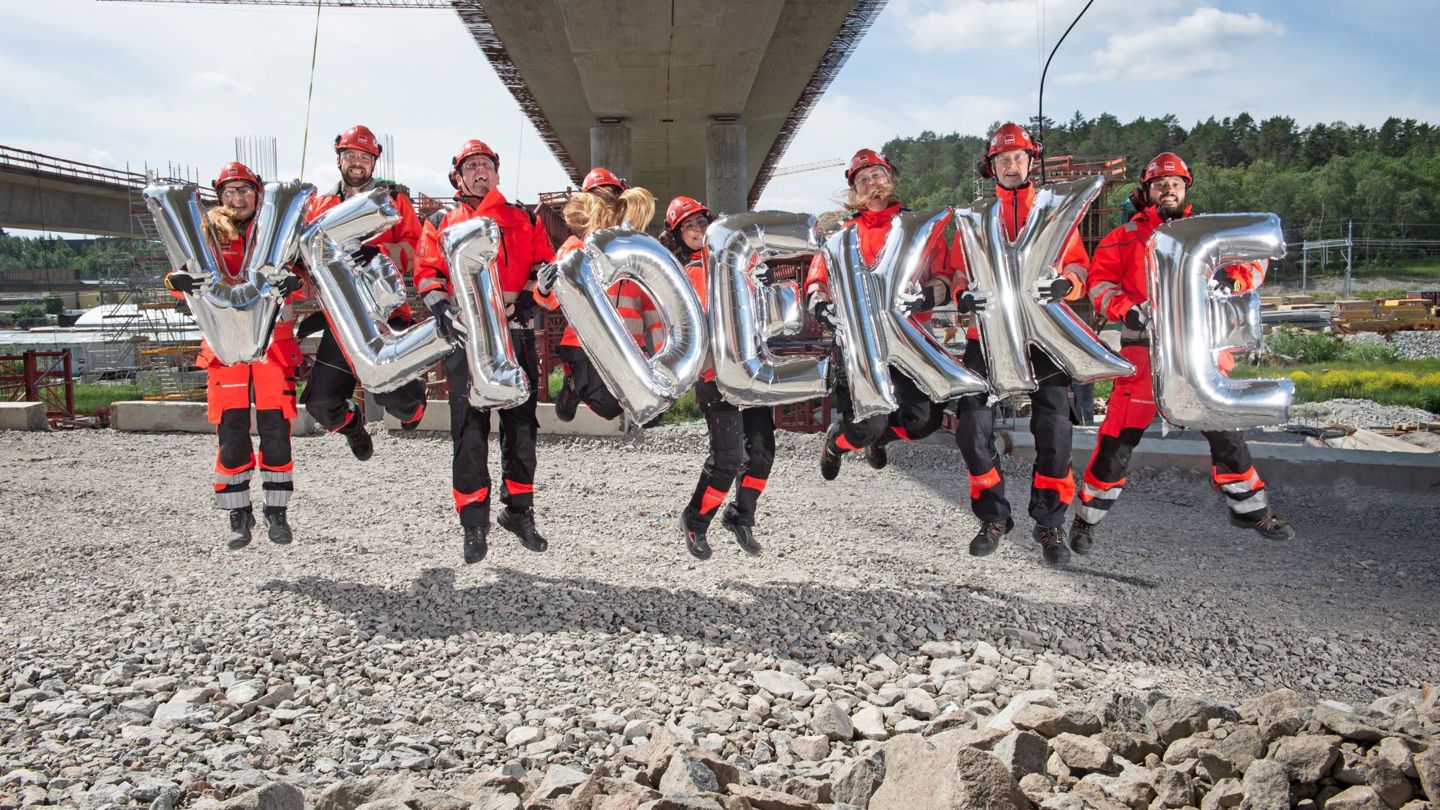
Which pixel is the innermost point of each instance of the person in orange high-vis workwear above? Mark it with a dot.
(331, 384)
(1119, 290)
(872, 181)
(524, 248)
(742, 440)
(268, 384)
(604, 201)
(1008, 159)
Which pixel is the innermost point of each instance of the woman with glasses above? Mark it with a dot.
(269, 384)
(742, 441)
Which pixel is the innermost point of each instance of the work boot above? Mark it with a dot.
(695, 541)
(522, 525)
(241, 522)
(278, 526)
(988, 538)
(1082, 535)
(877, 456)
(743, 534)
(1269, 526)
(830, 454)
(474, 544)
(1052, 544)
(568, 401)
(360, 443)
(415, 422)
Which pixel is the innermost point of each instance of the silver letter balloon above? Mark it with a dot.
(645, 387)
(1010, 276)
(496, 378)
(1193, 323)
(359, 300)
(744, 312)
(237, 318)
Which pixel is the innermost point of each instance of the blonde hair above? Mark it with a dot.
(886, 192)
(222, 224)
(590, 211)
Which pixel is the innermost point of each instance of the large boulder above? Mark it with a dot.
(1173, 718)
(946, 776)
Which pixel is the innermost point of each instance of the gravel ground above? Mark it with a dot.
(1359, 413)
(1411, 345)
(133, 642)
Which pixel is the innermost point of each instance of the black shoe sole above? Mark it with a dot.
(752, 548)
(283, 540)
(236, 545)
(879, 463)
(983, 550)
(698, 548)
(1287, 532)
(539, 545)
(1060, 559)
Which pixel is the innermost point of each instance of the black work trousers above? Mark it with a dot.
(1052, 485)
(470, 435)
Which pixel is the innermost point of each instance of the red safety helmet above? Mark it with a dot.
(1012, 136)
(235, 170)
(864, 159)
(471, 148)
(1166, 164)
(681, 208)
(358, 137)
(601, 176)
(1007, 137)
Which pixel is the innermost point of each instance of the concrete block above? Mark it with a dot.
(586, 423)
(23, 416)
(181, 417)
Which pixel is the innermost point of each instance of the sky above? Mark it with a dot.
(119, 83)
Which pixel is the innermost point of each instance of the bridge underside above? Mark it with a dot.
(42, 203)
(688, 97)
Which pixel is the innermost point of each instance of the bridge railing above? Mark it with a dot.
(23, 160)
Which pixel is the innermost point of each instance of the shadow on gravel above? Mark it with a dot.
(809, 622)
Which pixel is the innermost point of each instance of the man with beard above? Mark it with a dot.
(872, 182)
(332, 379)
(1119, 290)
(1009, 158)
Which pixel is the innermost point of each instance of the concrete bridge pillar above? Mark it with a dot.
(610, 147)
(725, 167)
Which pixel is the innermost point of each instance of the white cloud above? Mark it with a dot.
(220, 82)
(1206, 41)
(116, 94)
(976, 24)
(1015, 31)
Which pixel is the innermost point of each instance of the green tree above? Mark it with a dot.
(54, 304)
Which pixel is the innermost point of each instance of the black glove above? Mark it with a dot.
(522, 312)
(445, 320)
(182, 282)
(364, 254)
(824, 312)
(924, 301)
(546, 277)
(1059, 288)
(288, 285)
(968, 302)
(1135, 318)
